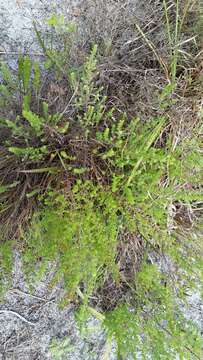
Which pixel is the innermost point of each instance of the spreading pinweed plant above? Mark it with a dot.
(76, 180)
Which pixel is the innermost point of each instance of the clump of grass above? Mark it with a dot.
(100, 192)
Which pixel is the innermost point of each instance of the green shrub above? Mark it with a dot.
(84, 177)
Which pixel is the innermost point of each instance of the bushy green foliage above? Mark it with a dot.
(98, 173)
(153, 326)
(81, 237)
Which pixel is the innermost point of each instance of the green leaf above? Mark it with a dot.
(4, 188)
(129, 195)
(34, 120)
(41, 170)
(16, 129)
(5, 91)
(45, 108)
(79, 171)
(6, 74)
(26, 102)
(108, 154)
(64, 154)
(24, 71)
(27, 73)
(146, 146)
(33, 193)
(36, 79)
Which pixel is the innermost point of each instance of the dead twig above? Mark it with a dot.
(8, 312)
(17, 53)
(20, 292)
(153, 48)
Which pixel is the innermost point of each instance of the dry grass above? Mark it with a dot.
(130, 253)
(135, 50)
